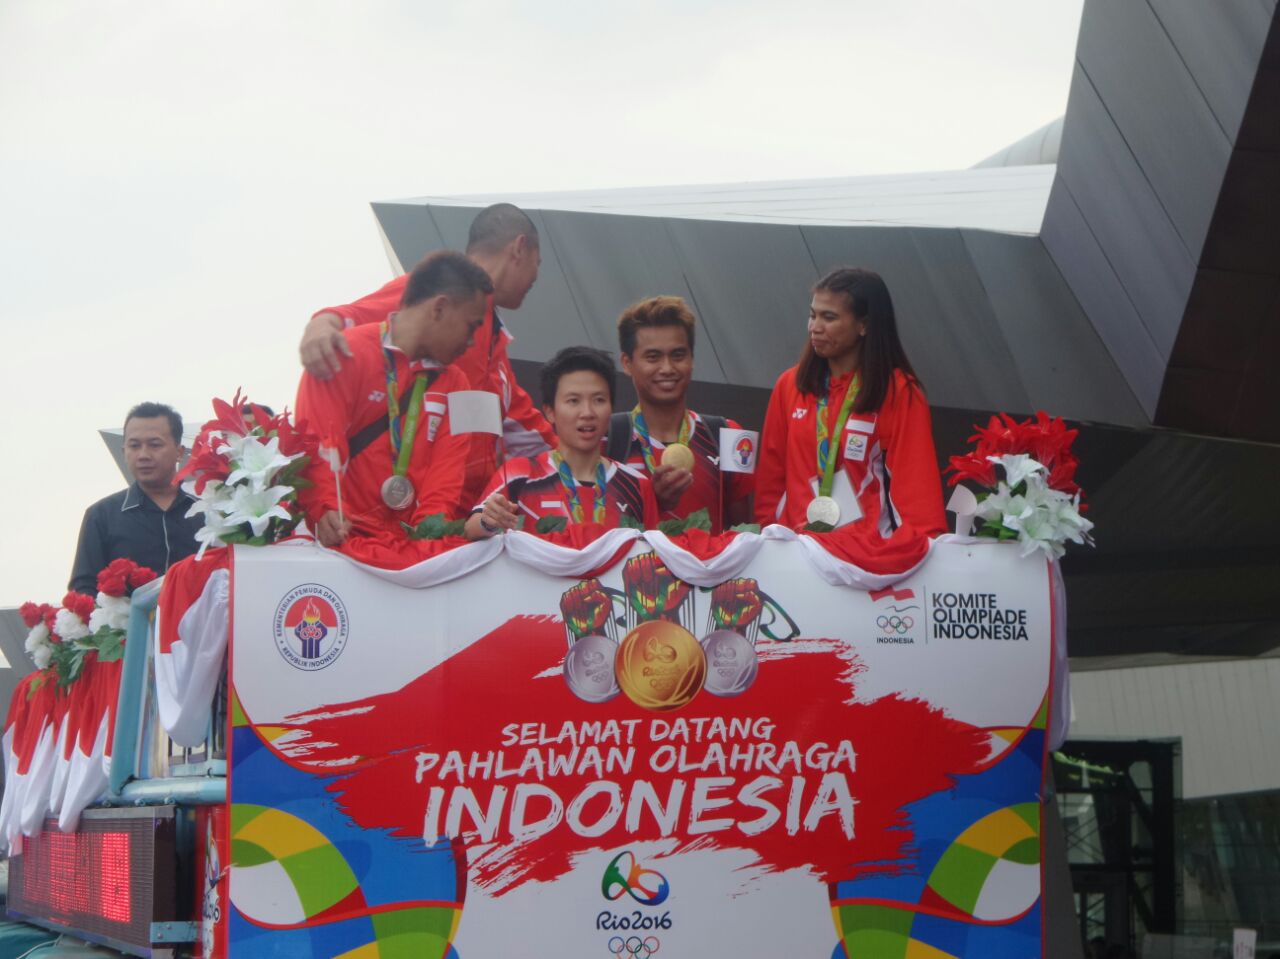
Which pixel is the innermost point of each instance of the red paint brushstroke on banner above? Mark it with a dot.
(905, 750)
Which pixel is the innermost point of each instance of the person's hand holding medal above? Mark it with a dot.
(673, 475)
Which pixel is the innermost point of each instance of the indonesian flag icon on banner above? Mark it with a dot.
(738, 450)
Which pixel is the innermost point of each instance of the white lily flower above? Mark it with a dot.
(1017, 467)
(258, 507)
(258, 461)
(1038, 532)
(69, 626)
(42, 655)
(39, 636)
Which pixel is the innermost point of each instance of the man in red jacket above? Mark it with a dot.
(504, 241)
(385, 411)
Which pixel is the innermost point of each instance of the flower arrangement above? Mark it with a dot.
(59, 637)
(245, 473)
(1037, 502)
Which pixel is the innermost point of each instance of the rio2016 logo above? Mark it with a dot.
(625, 876)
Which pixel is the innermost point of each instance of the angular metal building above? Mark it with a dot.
(1120, 268)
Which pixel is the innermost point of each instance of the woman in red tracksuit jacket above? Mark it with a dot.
(847, 437)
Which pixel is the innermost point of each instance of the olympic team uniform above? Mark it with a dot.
(535, 486)
(711, 489)
(485, 366)
(887, 456)
(354, 402)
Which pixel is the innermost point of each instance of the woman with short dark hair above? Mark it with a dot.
(848, 437)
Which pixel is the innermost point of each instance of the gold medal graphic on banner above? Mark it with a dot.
(679, 456)
(660, 665)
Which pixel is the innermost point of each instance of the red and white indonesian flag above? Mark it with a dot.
(738, 450)
(474, 411)
(191, 640)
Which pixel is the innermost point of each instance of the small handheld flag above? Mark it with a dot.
(738, 450)
(329, 453)
(474, 411)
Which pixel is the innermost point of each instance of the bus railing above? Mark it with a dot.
(147, 767)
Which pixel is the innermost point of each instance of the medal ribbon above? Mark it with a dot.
(646, 442)
(403, 434)
(826, 458)
(571, 488)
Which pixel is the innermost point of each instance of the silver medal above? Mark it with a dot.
(588, 669)
(823, 509)
(397, 491)
(731, 663)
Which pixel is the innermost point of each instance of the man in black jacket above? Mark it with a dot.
(147, 522)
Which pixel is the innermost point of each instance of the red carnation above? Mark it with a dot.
(31, 614)
(140, 576)
(114, 579)
(80, 604)
(49, 614)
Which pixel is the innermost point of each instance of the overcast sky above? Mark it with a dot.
(182, 184)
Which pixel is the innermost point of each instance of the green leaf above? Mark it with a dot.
(745, 528)
(698, 519)
(551, 524)
(110, 646)
(627, 521)
(435, 526)
(671, 527)
(818, 527)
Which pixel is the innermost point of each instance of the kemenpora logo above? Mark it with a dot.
(310, 627)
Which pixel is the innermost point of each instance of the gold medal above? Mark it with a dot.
(679, 456)
(660, 665)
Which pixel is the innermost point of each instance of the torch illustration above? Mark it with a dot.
(653, 593)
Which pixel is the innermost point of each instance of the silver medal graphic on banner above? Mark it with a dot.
(588, 669)
(397, 491)
(731, 663)
(823, 509)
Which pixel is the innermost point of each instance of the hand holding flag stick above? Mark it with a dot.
(329, 453)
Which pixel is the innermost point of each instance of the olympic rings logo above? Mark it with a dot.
(634, 947)
(895, 624)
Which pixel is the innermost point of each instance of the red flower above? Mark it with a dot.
(140, 576)
(49, 614)
(114, 579)
(204, 464)
(978, 469)
(31, 614)
(80, 604)
(1044, 438)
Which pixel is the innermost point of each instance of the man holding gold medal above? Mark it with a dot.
(384, 413)
(678, 449)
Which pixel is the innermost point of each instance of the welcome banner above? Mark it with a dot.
(518, 765)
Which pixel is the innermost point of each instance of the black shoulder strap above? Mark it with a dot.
(619, 442)
(715, 424)
(362, 440)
